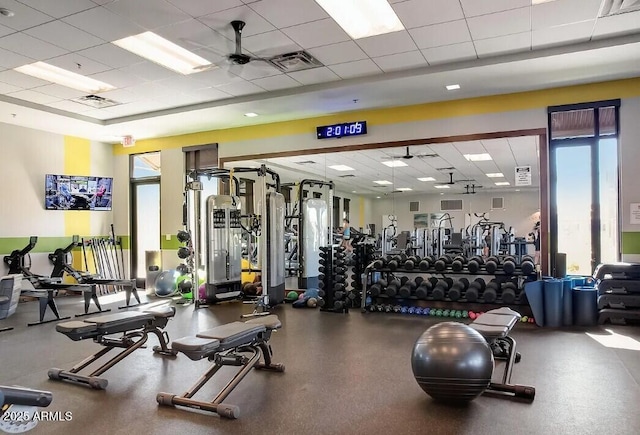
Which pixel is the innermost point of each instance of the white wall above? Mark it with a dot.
(520, 209)
(629, 164)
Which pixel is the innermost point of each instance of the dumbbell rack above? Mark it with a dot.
(363, 255)
(516, 294)
(332, 280)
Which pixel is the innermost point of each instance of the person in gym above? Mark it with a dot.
(535, 235)
(346, 235)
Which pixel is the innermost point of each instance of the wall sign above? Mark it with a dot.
(634, 218)
(523, 175)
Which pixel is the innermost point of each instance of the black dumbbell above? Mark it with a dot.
(441, 288)
(339, 295)
(458, 263)
(423, 290)
(410, 263)
(527, 265)
(492, 264)
(338, 287)
(418, 280)
(377, 288)
(509, 292)
(474, 264)
(320, 302)
(458, 287)
(442, 262)
(340, 278)
(490, 293)
(321, 293)
(407, 289)
(509, 265)
(404, 280)
(392, 288)
(475, 290)
(424, 264)
(338, 305)
(392, 264)
(433, 280)
(379, 264)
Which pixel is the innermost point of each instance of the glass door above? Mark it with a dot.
(146, 224)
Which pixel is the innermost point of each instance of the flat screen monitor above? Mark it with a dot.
(78, 192)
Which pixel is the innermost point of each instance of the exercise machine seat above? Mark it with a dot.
(10, 287)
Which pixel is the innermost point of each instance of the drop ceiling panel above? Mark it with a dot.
(450, 53)
(111, 55)
(393, 62)
(254, 70)
(9, 59)
(240, 88)
(148, 71)
(99, 113)
(561, 12)
(198, 8)
(441, 34)
(317, 33)
(149, 14)
(389, 43)
(59, 91)
(30, 46)
(104, 24)
(273, 83)
(210, 94)
(500, 23)
(285, 13)
(503, 44)
(120, 95)
(270, 44)
(617, 25)
(79, 64)
(216, 76)
(195, 36)
(356, 68)
(316, 75)
(23, 81)
(64, 35)
(220, 21)
(34, 97)
(69, 106)
(60, 8)
(338, 53)
(119, 79)
(5, 30)
(25, 17)
(473, 8)
(554, 36)
(418, 13)
(470, 147)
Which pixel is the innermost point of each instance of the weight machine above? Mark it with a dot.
(221, 254)
(315, 229)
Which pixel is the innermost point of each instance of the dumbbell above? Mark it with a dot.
(509, 265)
(509, 292)
(424, 264)
(379, 264)
(393, 263)
(527, 265)
(337, 287)
(433, 280)
(377, 288)
(320, 302)
(338, 305)
(321, 293)
(392, 288)
(440, 289)
(340, 278)
(441, 263)
(491, 291)
(475, 289)
(458, 288)
(407, 289)
(423, 289)
(340, 294)
(492, 264)
(474, 264)
(410, 263)
(458, 263)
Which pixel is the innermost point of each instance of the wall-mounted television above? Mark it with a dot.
(78, 192)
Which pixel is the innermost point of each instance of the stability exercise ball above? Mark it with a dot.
(165, 284)
(452, 362)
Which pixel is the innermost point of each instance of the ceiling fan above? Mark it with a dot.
(408, 155)
(471, 189)
(452, 181)
(238, 57)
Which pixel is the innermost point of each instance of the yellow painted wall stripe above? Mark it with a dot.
(77, 161)
(361, 220)
(627, 88)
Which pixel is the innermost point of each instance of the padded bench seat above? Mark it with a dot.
(496, 323)
(225, 337)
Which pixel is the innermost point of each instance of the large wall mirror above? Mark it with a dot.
(464, 179)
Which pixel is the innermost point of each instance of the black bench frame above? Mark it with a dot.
(235, 356)
(130, 341)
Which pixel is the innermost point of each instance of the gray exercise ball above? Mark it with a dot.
(452, 362)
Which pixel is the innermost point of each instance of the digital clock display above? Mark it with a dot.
(342, 130)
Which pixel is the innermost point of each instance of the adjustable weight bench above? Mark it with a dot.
(238, 344)
(495, 326)
(135, 327)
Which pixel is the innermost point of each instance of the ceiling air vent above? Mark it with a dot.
(96, 101)
(347, 176)
(306, 162)
(414, 206)
(295, 61)
(616, 7)
(450, 204)
(497, 203)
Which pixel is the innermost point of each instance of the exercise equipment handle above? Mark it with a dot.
(26, 397)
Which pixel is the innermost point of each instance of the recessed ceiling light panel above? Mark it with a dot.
(426, 179)
(404, 189)
(394, 163)
(483, 157)
(495, 175)
(64, 77)
(341, 168)
(441, 186)
(383, 182)
(361, 19)
(452, 87)
(250, 115)
(503, 183)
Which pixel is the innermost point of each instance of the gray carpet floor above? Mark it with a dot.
(345, 374)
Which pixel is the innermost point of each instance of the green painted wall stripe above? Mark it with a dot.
(631, 242)
(45, 244)
(172, 243)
